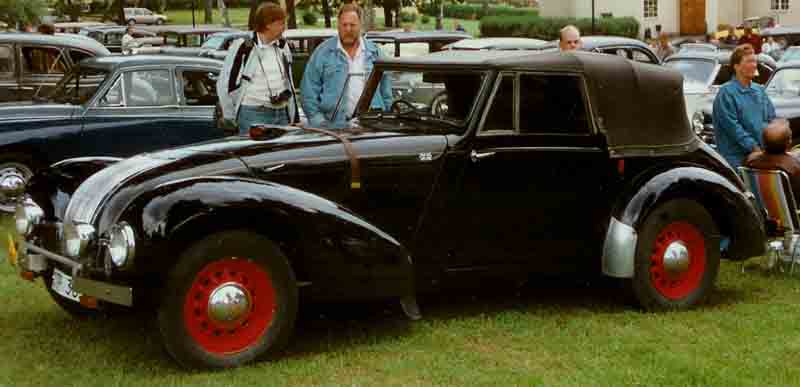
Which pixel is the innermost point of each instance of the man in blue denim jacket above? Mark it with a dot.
(741, 110)
(336, 73)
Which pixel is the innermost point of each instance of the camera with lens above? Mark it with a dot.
(281, 98)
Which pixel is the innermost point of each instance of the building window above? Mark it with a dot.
(651, 8)
(779, 5)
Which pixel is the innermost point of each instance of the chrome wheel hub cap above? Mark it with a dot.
(676, 257)
(229, 303)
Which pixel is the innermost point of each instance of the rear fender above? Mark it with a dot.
(339, 253)
(732, 210)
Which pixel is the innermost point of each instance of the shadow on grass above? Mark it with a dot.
(133, 345)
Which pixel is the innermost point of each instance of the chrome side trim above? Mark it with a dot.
(619, 250)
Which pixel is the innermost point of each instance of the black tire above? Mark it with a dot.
(253, 266)
(654, 285)
(159, 22)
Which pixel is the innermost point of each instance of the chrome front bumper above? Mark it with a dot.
(36, 260)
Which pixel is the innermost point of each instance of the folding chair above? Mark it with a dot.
(774, 195)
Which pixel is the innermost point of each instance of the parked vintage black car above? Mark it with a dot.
(533, 169)
(112, 106)
(32, 64)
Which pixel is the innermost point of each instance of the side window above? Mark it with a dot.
(640, 56)
(199, 87)
(724, 75)
(763, 74)
(149, 88)
(76, 56)
(6, 62)
(43, 60)
(501, 113)
(113, 96)
(553, 105)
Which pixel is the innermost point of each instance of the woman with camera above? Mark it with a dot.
(257, 75)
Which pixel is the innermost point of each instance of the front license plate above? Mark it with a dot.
(62, 284)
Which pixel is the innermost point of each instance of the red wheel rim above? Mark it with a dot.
(224, 337)
(672, 284)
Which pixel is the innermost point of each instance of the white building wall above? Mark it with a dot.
(557, 8)
(667, 12)
(762, 8)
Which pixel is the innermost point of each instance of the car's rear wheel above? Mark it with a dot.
(231, 298)
(131, 21)
(14, 164)
(677, 256)
(159, 21)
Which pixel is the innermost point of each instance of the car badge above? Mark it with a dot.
(426, 156)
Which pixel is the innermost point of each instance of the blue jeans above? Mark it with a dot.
(255, 115)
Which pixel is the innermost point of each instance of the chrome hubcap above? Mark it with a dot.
(229, 303)
(676, 257)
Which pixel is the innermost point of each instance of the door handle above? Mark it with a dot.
(475, 156)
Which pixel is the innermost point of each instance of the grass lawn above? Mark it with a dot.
(238, 18)
(553, 333)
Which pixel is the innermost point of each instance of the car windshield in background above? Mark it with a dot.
(79, 86)
(791, 54)
(434, 95)
(406, 49)
(785, 82)
(697, 74)
(214, 42)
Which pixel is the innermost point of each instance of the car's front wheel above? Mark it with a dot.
(231, 298)
(677, 256)
(159, 21)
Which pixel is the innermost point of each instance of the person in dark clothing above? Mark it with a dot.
(752, 39)
(776, 155)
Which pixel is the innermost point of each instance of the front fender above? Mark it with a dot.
(734, 213)
(53, 187)
(339, 253)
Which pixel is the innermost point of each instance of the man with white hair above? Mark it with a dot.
(570, 38)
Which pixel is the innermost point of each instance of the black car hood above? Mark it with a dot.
(32, 111)
(103, 197)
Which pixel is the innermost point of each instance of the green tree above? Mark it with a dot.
(21, 12)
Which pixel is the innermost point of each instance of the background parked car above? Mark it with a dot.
(32, 64)
(111, 36)
(703, 73)
(783, 89)
(112, 106)
(143, 16)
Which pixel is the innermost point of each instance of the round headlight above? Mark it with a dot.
(27, 215)
(76, 238)
(12, 185)
(121, 244)
(697, 122)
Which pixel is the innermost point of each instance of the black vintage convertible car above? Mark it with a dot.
(534, 168)
(112, 106)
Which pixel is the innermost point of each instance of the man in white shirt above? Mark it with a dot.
(127, 40)
(257, 75)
